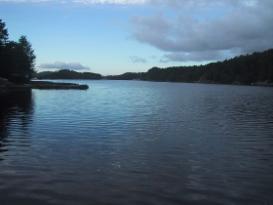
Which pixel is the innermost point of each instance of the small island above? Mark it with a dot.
(17, 66)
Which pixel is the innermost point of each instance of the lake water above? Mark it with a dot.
(134, 142)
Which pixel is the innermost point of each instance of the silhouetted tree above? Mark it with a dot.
(26, 58)
(3, 40)
(16, 58)
(3, 33)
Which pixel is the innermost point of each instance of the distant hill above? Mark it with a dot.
(67, 74)
(126, 76)
(256, 68)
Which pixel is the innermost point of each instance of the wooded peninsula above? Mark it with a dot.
(17, 65)
(252, 69)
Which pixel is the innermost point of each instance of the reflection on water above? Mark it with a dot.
(15, 116)
(134, 142)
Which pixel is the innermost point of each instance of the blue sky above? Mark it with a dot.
(119, 36)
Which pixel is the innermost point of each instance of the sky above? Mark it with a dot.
(117, 36)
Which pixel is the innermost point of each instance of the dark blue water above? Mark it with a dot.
(133, 142)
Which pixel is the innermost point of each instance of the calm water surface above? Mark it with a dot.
(133, 142)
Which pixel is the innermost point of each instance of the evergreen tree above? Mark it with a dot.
(3, 33)
(3, 41)
(16, 58)
(26, 57)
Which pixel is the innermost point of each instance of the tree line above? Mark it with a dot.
(16, 58)
(244, 69)
(17, 65)
(67, 74)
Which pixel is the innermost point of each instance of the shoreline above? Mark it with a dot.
(43, 85)
(49, 85)
(256, 84)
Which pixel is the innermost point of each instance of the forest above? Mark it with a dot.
(67, 74)
(16, 58)
(255, 68)
(245, 69)
(17, 65)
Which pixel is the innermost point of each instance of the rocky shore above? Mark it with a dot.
(5, 84)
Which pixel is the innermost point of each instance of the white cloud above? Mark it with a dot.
(137, 59)
(124, 2)
(197, 30)
(238, 27)
(119, 2)
(63, 65)
(172, 3)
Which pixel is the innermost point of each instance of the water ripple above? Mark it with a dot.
(131, 142)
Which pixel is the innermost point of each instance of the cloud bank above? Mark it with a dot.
(212, 30)
(62, 65)
(196, 30)
(172, 3)
(120, 2)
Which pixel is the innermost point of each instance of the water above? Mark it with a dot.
(134, 142)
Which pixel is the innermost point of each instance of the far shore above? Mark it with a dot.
(259, 84)
(7, 85)
(49, 85)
